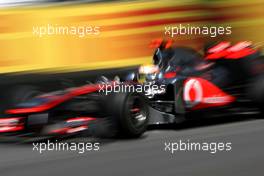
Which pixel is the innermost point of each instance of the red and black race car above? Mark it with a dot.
(181, 83)
(86, 109)
(227, 79)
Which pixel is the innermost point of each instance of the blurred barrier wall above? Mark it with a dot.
(245, 17)
(126, 29)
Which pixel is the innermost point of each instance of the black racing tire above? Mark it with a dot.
(128, 117)
(256, 92)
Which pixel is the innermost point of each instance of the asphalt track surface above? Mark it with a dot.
(146, 156)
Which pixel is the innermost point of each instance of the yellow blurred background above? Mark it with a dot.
(126, 29)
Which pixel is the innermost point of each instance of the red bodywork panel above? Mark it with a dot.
(200, 93)
(226, 51)
(170, 75)
(11, 124)
(158, 42)
(54, 102)
(83, 125)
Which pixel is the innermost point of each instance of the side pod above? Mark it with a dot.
(199, 93)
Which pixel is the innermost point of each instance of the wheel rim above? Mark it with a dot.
(137, 112)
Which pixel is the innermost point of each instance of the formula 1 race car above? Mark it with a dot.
(227, 79)
(86, 109)
(181, 83)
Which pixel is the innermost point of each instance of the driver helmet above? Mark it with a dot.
(161, 45)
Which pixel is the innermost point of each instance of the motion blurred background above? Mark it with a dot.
(126, 29)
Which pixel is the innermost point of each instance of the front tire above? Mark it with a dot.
(257, 93)
(131, 114)
(127, 116)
